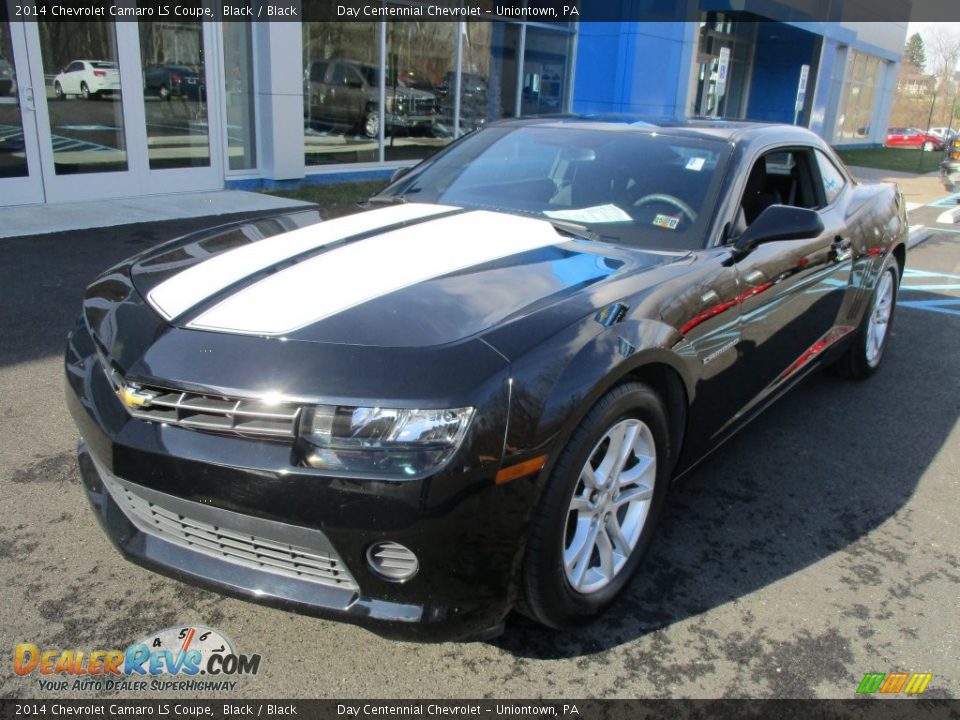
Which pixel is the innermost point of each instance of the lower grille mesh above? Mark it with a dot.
(251, 551)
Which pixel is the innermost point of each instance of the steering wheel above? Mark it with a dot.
(669, 200)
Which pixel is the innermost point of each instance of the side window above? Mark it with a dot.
(832, 178)
(339, 74)
(75, 67)
(781, 177)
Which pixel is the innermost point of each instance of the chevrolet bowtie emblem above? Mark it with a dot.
(134, 397)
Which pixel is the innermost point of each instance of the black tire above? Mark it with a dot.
(857, 363)
(928, 146)
(548, 595)
(58, 91)
(164, 92)
(85, 91)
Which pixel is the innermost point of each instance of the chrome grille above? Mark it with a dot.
(252, 551)
(217, 413)
(213, 413)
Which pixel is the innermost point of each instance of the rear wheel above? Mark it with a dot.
(927, 146)
(84, 91)
(863, 357)
(599, 509)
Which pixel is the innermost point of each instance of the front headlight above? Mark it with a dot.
(396, 442)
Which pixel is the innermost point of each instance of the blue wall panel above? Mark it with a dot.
(780, 51)
(631, 68)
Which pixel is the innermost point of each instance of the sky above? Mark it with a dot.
(926, 27)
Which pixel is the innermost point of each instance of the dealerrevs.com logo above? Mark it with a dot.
(172, 659)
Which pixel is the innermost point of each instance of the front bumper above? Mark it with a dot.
(465, 530)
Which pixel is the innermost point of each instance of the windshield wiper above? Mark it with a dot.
(573, 229)
(385, 200)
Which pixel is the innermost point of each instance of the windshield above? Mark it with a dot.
(638, 188)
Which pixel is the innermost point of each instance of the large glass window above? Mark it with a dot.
(342, 74)
(86, 114)
(341, 93)
(238, 81)
(721, 34)
(545, 59)
(488, 89)
(13, 160)
(421, 57)
(857, 97)
(175, 94)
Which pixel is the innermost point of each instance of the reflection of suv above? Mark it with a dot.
(346, 92)
(473, 99)
(6, 77)
(950, 167)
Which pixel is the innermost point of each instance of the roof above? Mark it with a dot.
(724, 130)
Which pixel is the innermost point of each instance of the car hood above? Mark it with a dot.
(410, 275)
(410, 285)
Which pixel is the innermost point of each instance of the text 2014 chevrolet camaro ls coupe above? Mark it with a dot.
(473, 396)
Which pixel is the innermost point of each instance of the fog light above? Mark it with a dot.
(392, 561)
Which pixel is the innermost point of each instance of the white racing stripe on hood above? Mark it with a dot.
(184, 290)
(353, 274)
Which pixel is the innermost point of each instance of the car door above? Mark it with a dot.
(791, 290)
(72, 77)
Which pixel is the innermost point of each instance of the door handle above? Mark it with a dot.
(840, 249)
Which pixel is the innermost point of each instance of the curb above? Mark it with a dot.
(918, 234)
(949, 217)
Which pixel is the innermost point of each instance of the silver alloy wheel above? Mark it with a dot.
(927, 146)
(879, 318)
(609, 505)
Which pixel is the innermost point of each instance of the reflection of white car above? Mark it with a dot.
(88, 78)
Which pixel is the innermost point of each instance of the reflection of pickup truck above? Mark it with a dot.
(347, 91)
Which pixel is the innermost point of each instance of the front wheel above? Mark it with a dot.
(863, 357)
(599, 509)
(84, 91)
(371, 124)
(58, 91)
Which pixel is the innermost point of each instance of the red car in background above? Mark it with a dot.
(914, 138)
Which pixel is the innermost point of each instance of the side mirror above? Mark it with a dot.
(780, 222)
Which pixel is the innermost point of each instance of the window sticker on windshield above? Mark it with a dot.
(666, 221)
(696, 163)
(598, 214)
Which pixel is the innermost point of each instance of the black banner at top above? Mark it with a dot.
(542, 11)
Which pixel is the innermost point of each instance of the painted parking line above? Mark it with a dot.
(927, 281)
(949, 201)
(948, 307)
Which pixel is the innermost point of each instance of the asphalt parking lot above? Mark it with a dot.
(818, 545)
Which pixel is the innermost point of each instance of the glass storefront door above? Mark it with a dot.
(20, 179)
(116, 109)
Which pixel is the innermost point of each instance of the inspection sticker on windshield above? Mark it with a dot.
(608, 213)
(666, 221)
(696, 163)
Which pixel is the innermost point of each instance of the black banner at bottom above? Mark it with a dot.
(863, 709)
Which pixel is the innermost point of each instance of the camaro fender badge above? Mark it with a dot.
(720, 350)
(134, 397)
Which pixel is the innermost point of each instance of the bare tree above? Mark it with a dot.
(943, 54)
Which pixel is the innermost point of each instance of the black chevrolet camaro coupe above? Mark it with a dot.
(472, 397)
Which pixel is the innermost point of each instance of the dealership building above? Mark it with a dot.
(118, 108)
